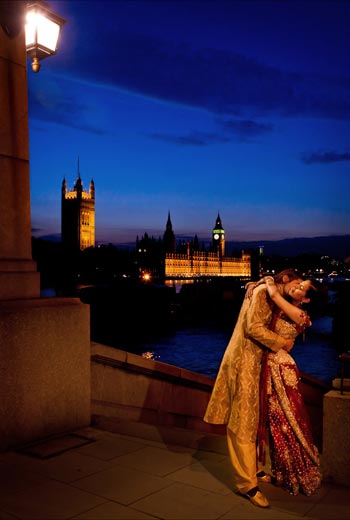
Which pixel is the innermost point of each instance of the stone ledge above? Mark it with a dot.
(339, 384)
(116, 358)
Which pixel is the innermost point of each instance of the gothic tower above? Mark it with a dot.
(78, 216)
(169, 237)
(219, 237)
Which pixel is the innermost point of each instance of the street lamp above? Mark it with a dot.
(42, 30)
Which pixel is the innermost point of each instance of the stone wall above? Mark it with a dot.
(44, 369)
(336, 435)
(128, 386)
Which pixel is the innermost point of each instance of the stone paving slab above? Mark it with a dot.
(187, 502)
(50, 500)
(134, 471)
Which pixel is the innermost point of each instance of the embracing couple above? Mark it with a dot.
(257, 393)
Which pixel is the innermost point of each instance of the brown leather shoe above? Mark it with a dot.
(256, 497)
(263, 477)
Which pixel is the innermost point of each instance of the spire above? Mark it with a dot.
(92, 189)
(78, 186)
(169, 225)
(169, 240)
(218, 224)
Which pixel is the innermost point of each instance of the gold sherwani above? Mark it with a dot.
(235, 397)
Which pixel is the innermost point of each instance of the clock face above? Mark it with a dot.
(216, 236)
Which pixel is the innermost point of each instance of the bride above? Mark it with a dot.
(284, 421)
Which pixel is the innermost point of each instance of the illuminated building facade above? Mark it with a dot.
(78, 216)
(199, 264)
(196, 264)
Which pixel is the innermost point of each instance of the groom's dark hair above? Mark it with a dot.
(291, 273)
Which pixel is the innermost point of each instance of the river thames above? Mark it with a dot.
(201, 349)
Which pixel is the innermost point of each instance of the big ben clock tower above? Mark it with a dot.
(219, 237)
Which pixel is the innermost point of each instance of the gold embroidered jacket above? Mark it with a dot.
(235, 397)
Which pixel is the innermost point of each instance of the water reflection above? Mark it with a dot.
(201, 350)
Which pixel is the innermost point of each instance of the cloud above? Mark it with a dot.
(52, 102)
(221, 81)
(325, 157)
(245, 129)
(192, 139)
(37, 230)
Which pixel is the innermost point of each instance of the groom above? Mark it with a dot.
(235, 397)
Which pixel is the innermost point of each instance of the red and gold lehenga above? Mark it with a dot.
(294, 458)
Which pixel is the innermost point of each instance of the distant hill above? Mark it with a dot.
(54, 237)
(334, 246)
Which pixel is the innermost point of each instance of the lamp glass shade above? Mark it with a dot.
(41, 32)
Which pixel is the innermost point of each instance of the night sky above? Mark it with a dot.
(195, 107)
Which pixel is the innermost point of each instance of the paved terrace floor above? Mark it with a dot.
(122, 470)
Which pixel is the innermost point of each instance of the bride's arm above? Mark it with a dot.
(296, 314)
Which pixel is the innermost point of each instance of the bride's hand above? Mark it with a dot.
(271, 286)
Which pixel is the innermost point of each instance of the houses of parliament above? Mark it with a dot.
(184, 261)
(191, 262)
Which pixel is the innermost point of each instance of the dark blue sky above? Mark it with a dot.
(195, 107)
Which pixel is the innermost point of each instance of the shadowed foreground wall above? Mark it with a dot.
(44, 368)
(336, 453)
(130, 387)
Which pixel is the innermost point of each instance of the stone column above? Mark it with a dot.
(44, 343)
(18, 276)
